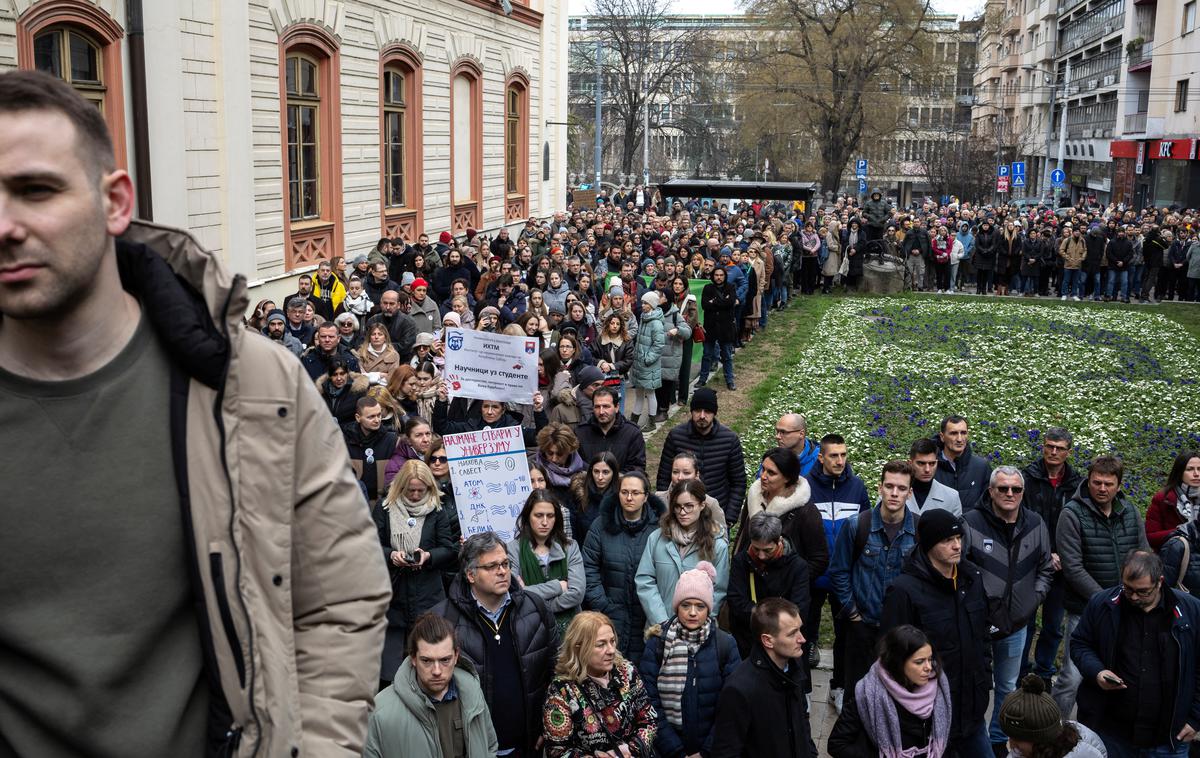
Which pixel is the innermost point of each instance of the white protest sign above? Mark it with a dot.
(491, 479)
(489, 366)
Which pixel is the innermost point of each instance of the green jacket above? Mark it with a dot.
(404, 725)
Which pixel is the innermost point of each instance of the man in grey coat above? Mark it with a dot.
(927, 492)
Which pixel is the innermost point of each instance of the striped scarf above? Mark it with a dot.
(679, 645)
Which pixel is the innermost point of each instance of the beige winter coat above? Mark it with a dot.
(286, 554)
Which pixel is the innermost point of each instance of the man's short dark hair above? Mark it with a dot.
(604, 391)
(922, 446)
(1140, 563)
(22, 91)
(897, 467)
(832, 439)
(327, 325)
(953, 418)
(1059, 434)
(365, 402)
(764, 619)
(431, 629)
(1109, 465)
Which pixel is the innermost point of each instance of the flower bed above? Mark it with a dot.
(884, 372)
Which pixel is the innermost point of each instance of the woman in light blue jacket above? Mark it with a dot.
(646, 373)
(686, 536)
(967, 266)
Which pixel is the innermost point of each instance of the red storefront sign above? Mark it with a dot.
(1173, 149)
(1123, 148)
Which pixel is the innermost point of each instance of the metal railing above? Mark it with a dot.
(1135, 123)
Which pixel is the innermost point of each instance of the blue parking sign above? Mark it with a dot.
(860, 168)
(1018, 168)
(862, 186)
(1002, 170)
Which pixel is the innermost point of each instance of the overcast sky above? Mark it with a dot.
(967, 8)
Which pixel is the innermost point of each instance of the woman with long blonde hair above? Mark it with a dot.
(420, 540)
(593, 684)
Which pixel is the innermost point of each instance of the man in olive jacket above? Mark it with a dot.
(225, 594)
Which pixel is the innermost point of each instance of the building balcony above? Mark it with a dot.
(1140, 56)
(1012, 25)
(1135, 123)
(1010, 61)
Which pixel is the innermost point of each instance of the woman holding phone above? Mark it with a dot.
(420, 540)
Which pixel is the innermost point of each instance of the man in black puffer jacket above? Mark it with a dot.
(509, 635)
(943, 596)
(958, 466)
(717, 447)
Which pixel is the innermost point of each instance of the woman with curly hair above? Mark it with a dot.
(594, 685)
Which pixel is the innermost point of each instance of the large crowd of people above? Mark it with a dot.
(625, 618)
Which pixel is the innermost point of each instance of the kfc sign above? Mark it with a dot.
(1173, 149)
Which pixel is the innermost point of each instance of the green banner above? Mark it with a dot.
(695, 286)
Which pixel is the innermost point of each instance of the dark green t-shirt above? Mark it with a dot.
(100, 649)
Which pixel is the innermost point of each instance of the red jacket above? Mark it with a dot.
(1161, 518)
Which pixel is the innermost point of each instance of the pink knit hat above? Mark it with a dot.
(696, 584)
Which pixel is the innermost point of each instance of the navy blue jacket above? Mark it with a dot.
(969, 474)
(611, 554)
(837, 500)
(1094, 644)
(707, 671)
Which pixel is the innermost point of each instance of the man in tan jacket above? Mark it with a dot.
(1072, 250)
(187, 566)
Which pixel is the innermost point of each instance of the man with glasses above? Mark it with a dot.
(791, 431)
(1136, 648)
(1011, 547)
(509, 635)
(1097, 526)
(1049, 481)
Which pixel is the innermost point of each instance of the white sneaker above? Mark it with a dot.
(1076, 298)
(1064, 297)
(836, 697)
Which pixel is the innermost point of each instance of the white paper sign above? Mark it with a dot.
(489, 366)
(490, 475)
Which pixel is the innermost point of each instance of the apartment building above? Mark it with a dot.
(283, 132)
(1155, 153)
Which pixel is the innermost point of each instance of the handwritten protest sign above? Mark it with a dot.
(489, 366)
(490, 475)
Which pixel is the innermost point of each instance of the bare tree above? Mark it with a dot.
(646, 59)
(833, 72)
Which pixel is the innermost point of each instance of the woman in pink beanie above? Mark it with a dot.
(685, 667)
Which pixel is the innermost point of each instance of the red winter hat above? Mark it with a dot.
(446, 238)
(420, 283)
(471, 234)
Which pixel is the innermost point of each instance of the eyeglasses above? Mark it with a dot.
(1145, 593)
(686, 507)
(782, 432)
(632, 493)
(1006, 489)
(1056, 448)
(498, 567)
(438, 459)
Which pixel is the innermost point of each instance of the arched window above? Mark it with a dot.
(401, 196)
(516, 149)
(466, 146)
(303, 132)
(310, 124)
(71, 55)
(80, 44)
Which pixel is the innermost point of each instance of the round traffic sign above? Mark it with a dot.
(1058, 176)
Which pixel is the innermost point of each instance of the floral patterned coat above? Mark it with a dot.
(583, 718)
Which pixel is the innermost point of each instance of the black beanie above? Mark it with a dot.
(935, 525)
(1030, 714)
(704, 399)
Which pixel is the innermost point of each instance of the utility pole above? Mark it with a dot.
(1062, 127)
(646, 136)
(599, 108)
